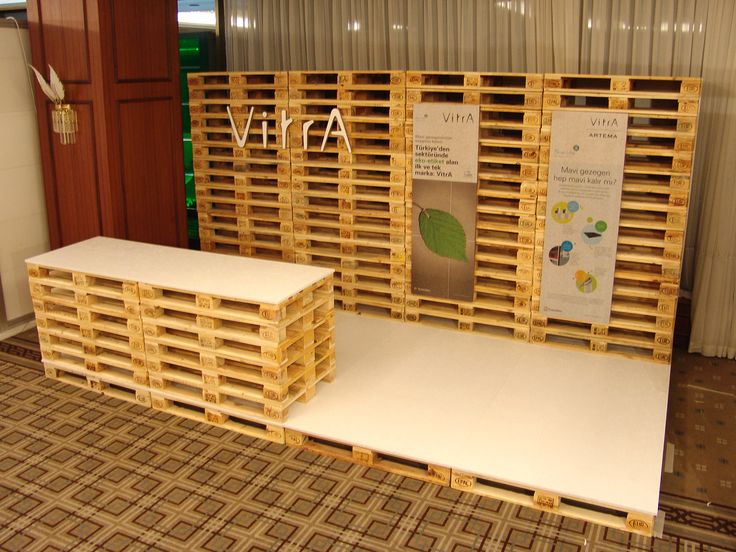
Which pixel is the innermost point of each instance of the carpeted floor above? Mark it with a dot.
(702, 426)
(79, 471)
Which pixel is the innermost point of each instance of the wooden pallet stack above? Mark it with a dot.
(660, 144)
(237, 358)
(150, 330)
(90, 331)
(243, 194)
(352, 210)
(510, 107)
(349, 205)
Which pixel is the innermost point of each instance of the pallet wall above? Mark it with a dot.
(508, 160)
(352, 210)
(244, 201)
(660, 145)
(349, 204)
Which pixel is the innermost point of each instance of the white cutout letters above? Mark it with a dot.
(240, 140)
(335, 118)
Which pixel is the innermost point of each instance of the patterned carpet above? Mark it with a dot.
(81, 472)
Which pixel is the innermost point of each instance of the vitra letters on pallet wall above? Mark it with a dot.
(335, 118)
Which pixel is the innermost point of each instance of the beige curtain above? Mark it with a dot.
(648, 37)
(714, 292)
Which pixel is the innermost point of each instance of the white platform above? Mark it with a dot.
(580, 425)
(585, 426)
(233, 277)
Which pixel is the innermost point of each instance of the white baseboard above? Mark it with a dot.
(17, 328)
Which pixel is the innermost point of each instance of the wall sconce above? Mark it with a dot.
(63, 117)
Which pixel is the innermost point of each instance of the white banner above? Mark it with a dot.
(446, 142)
(444, 200)
(586, 167)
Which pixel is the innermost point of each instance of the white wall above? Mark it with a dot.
(23, 229)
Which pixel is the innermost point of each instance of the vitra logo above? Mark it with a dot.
(334, 119)
(603, 122)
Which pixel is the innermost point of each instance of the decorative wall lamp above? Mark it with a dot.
(63, 117)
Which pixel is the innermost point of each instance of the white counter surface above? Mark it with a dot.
(229, 276)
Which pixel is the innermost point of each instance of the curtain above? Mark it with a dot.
(714, 292)
(637, 37)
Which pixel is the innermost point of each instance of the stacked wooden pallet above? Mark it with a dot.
(349, 198)
(658, 164)
(510, 107)
(90, 331)
(143, 323)
(232, 355)
(243, 193)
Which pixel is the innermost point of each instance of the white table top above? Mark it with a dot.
(585, 426)
(228, 276)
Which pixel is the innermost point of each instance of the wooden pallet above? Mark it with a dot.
(641, 95)
(99, 384)
(659, 153)
(406, 468)
(494, 314)
(552, 503)
(530, 498)
(510, 104)
(211, 415)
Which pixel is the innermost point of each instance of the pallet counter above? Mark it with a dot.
(221, 339)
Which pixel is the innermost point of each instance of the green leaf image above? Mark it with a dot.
(442, 234)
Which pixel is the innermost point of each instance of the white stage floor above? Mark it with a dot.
(584, 426)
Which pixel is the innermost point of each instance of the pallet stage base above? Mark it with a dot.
(568, 432)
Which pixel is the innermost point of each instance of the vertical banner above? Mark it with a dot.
(444, 200)
(586, 168)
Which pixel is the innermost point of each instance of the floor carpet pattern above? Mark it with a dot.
(83, 472)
